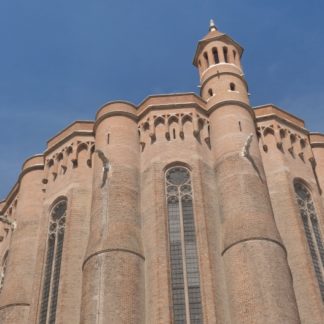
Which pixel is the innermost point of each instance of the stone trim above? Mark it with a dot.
(15, 304)
(254, 239)
(111, 250)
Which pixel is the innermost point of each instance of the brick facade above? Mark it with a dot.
(256, 263)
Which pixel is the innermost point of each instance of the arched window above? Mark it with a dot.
(312, 231)
(225, 50)
(215, 54)
(185, 279)
(51, 276)
(206, 59)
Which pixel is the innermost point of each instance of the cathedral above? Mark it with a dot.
(185, 209)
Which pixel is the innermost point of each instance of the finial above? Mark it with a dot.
(212, 25)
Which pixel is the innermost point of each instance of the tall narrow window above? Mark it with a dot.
(206, 59)
(225, 49)
(312, 232)
(51, 276)
(185, 279)
(215, 54)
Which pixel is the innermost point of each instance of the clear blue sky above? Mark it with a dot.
(61, 60)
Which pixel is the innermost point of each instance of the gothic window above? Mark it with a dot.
(185, 279)
(53, 259)
(312, 232)
(3, 270)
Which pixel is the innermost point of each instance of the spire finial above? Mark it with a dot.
(212, 25)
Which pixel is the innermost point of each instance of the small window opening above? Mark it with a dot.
(234, 54)
(108, 138)
(225, 54)
(232, 86)
(215, 54)
(210, 92)
(240, 126)
(206, 59)
(174, 133)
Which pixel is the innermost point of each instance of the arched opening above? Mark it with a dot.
(184, 266)
(312, 231)
(225, 51)
(215, 55)
(206, 59)
(210, 92)
(52, 270)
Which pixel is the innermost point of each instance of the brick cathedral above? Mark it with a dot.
(185, 209)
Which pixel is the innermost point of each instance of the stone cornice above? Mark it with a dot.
(316, 140)
(283, 121)
(67, 138)
(231, 102)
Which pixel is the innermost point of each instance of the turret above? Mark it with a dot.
(113, 269)
(218, 59)
(17, 294)
(252, 250)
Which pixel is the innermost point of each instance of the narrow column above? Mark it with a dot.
(113, 270)
(17, 293)
(221, 54)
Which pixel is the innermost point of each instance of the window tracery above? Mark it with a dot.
(185, 278)
(312, 231)
(53, 260)
(3, 270)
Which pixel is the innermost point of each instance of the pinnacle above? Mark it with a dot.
(212, 25)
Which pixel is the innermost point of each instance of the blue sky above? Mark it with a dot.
(61, 60)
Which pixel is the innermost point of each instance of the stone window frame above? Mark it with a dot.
(185, 281)
(53, 261)
(313, 235)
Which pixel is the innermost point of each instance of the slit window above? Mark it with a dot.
(232, 86)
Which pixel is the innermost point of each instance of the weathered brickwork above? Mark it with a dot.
(235, 244)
